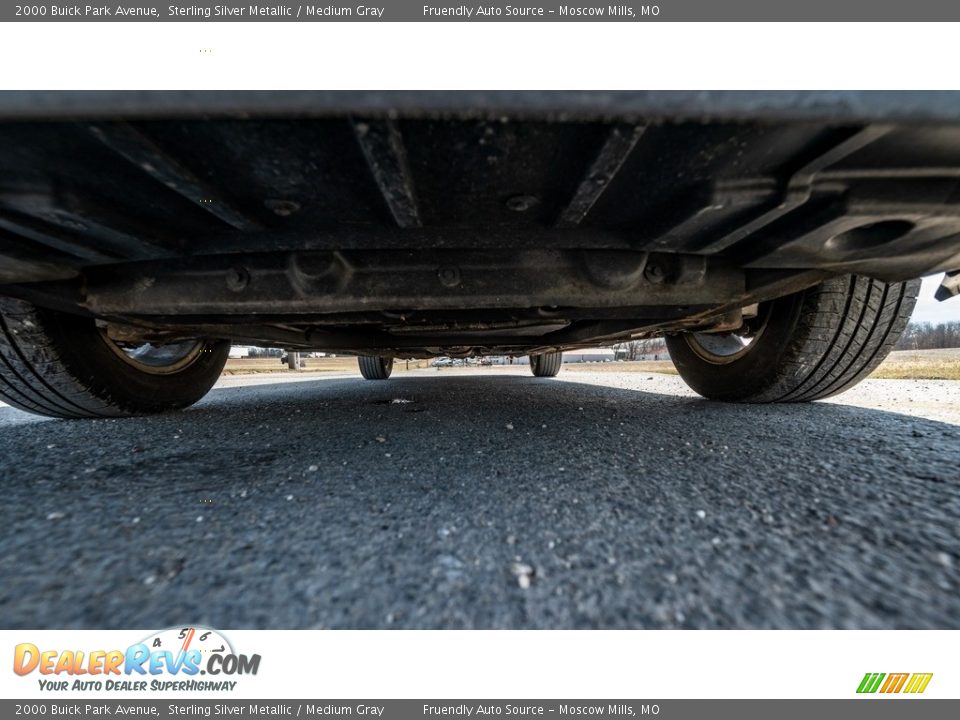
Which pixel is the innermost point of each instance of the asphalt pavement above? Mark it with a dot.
(488, 499)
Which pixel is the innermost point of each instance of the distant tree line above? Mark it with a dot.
(930, 336)
(265, 352)
(636, 349)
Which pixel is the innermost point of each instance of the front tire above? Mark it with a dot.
(806, 346)
(61, 365)
(374, 367)
(546, 364)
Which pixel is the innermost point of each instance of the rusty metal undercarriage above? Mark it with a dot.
(415, 224)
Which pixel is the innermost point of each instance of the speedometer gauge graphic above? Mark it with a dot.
(181, 639)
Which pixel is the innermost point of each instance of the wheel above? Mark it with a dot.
(802, 347)
(546, 364)
(62, 365)
(374, 367)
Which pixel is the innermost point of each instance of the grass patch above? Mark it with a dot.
(256, 366)
(915, 365)
(920, 365)
(917, 371)
(252, 366)
(634, 366)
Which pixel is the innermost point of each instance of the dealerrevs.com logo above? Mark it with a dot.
(888, 683)
(168, 660)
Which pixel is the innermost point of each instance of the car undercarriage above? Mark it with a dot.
(402, 225)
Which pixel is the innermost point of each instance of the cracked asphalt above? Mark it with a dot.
(489, 500)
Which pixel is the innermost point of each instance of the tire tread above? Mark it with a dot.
(34, 377)
(546, 364)
(825, 340)
(861, 335)
(372, 367)
(36, 373)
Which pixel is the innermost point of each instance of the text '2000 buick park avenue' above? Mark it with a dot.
(774, 239)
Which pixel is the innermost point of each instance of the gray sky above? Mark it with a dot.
(930, 310)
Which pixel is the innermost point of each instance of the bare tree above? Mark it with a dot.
(634, 349)
(930, 336)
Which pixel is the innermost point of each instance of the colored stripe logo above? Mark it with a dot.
(913, 683)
